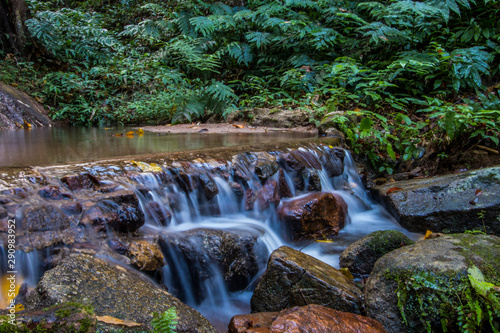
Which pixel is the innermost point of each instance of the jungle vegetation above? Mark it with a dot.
(395, 76)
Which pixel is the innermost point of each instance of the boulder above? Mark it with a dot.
(18, 110)
(450, 203)
(44, 218)
(309, 318)
(430, 281)
(268, 194)
(145, 255)
(297, 160)
(360, 256)
(311, 180)
(284, 190)
(208, 186)
(265, 166)
(279, 117)
(332, 160)
(111, 290)
(293, 278)
(238, 255)
(313, 215)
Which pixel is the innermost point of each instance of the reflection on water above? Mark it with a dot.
(44, 146)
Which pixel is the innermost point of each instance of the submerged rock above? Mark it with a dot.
(313, 215)
(238, 255)
(450, 203)
(309, 318)
(83, 181)
(360, 256)
(293, 278)
(111, 290)
(53, 193)
(428, 277)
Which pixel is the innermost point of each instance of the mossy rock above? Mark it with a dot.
(423, 287)
(361, 255)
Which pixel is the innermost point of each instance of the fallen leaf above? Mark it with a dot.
(140, 131)
(347, 273)
(19, 307)
(428, 234)
(130, 133)
(28, 125)
(118, 134)
(324, 241)
(238, 126)
(392, 189)
(474, 201)
(116, 321)
(153, 167)
(479, 192)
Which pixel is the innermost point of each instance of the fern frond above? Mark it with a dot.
(259, 38)
(241, 52)
(203, 24)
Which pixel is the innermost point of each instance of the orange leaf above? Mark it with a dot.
(428, 234)
(238, 126)
(130, 133)
(392, 189)
(116, 321)
(479, 192)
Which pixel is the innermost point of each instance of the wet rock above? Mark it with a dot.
(447, 203)
(44, 218)
(17, 109)
(268, 194)
(360, 256)
(250, 196)
(164, 216)
(284, 190)
(16, 192)
(293, 278)
(440, 266)
(66, 317)
(311, 180)
(117, 246)
(237, 189)
(119, 197)
(73, 208)
(297, 160)
(208, 185)
(111, 290)
(187, 182)
(84, 181)
(243, 165)
(265, 166)
(332, 160)
(3, 212)
(53, 193)
(313, 215)
(309, 318)
(119, 217)
(237, 255)
(146, 255)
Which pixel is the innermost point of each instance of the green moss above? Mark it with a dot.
(68, 309)
(385, 241)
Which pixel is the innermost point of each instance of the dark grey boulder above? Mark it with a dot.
(17, 109)
(429, 276)
(360, 256)
(294, 278)
(447, 203)
(111, 290)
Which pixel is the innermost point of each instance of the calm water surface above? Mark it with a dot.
(46, 146)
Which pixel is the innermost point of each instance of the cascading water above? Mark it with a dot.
(207, 215)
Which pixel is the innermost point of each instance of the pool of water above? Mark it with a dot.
(61, 145)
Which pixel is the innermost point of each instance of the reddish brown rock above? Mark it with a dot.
(53, 193)
(268, 194)
(306, 319)
(106, 214)
(283, 188)
(84, 181)
(313, 215)
(299, 159)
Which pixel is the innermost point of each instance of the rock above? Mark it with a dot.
(44, 218)
(332, 160)
(208, 185)
(83, 181)
(243, 165)
(117, 246)
(283, 188)
(446, 203)
(108, 214)
(293, 278)
(265, 166)
(433, 272)
(53, 193)
(237, 255)
(311, 180)
(72, 208)
(297, 160)
(17, 110)
(268, 194)
(279, 117)
(111, 290)
(252, 323)
(66, 317)
(316, 318)
(313, 215)
(187, 182)
(146, 255)
(360, 256)
(162, 215)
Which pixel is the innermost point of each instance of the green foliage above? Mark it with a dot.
(165, 322)
(461, 304)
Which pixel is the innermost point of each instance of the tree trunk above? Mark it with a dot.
(13, 32)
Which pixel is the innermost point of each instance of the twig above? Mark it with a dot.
(489, 150)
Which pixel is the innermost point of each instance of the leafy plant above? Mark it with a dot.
(165, 322)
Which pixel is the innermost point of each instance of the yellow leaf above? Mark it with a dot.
(324, 241)
(28, 125)
(131, 133)
(140, 131)
(5, 290)
(238, 126)
(347, 273)
(116, 321)
(153, 167)
(428, 234)
(19, 307)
